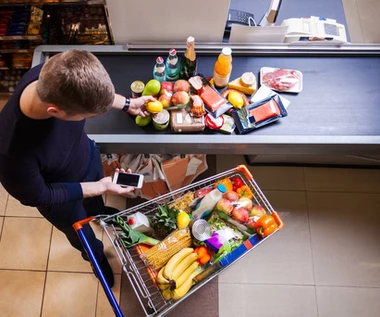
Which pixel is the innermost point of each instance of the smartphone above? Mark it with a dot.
(128, 179)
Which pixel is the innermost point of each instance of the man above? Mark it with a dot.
(46, 158)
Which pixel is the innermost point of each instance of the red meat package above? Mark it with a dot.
(280, 79)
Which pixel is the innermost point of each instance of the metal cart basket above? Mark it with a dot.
(140, 275)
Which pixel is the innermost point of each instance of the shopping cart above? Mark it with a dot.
(140, 275)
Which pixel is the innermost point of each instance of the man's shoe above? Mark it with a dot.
(107, 272)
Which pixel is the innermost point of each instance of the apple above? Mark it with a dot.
(143, 121)
(181, 85)
(251, 223)
(257, 211)
(166, 86)
(245, 203)
(240, 214)
(165, 99)
(180, 98)
(225, 206)
(231, 196)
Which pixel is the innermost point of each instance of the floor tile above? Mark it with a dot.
(348, 302)
(284, 258)
(3, 200)
(342, 180)
(16, 209)
(21, 293)
(25, 243)
(345, 238)
(368, 12)
(266, 300)
(267, 177)
(354, 27)
(103, 308)
(63, 257)
(70, 294)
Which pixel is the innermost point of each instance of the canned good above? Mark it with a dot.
(137, 88)
(201, 230)
(161, 120)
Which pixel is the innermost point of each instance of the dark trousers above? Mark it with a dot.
(63, 216)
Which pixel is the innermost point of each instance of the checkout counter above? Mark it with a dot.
(337, 113)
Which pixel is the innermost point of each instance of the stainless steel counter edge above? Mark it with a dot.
(238, 144)
(42, 52)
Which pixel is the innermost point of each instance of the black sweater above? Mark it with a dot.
(41, 161)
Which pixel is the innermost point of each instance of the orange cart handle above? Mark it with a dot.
(278, 219)
(79, 224)
(245, 171)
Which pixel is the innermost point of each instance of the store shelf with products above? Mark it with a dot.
(24, 25)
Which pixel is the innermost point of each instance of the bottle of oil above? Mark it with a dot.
(189, 60)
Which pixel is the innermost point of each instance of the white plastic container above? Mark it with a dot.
(208, 203)
(139, 222)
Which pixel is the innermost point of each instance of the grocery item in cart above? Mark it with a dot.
(208, 203)
(160, 254)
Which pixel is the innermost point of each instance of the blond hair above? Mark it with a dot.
(76, 82)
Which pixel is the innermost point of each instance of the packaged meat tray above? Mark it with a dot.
(282, 80)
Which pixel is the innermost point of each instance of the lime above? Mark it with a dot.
(152, 88)
(236, 99)
(143, 121)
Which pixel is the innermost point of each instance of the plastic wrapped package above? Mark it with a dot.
(160, 254)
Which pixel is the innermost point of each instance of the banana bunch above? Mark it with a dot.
(176, 277)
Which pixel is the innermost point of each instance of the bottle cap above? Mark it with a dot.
(159, 60)
(221, 188)
(172, 52)
(131, 221)
(226, 51)
(190, 39)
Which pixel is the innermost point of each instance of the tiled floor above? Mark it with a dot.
(326, 260)
(41, 274)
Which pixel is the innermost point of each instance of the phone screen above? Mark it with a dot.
(128, 179)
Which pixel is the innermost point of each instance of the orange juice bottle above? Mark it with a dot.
(223, 68)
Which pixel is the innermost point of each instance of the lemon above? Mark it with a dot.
(183, 220)
(235, 99)
(152, 88)
(154, 106)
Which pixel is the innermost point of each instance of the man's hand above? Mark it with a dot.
(137, 106)
(105, 186)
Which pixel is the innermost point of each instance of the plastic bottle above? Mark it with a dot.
(189, 60)
(172, 66)
(159, 70)
(208, 203)
(139, 222)
(223, 68)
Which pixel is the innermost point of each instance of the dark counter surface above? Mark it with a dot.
(336, 113)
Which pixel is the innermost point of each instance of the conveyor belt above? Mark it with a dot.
(336, 113)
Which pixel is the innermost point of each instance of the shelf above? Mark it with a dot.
(20, 37)
(16, 50)
(5, 94)
(4, 68)
(60, 2)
